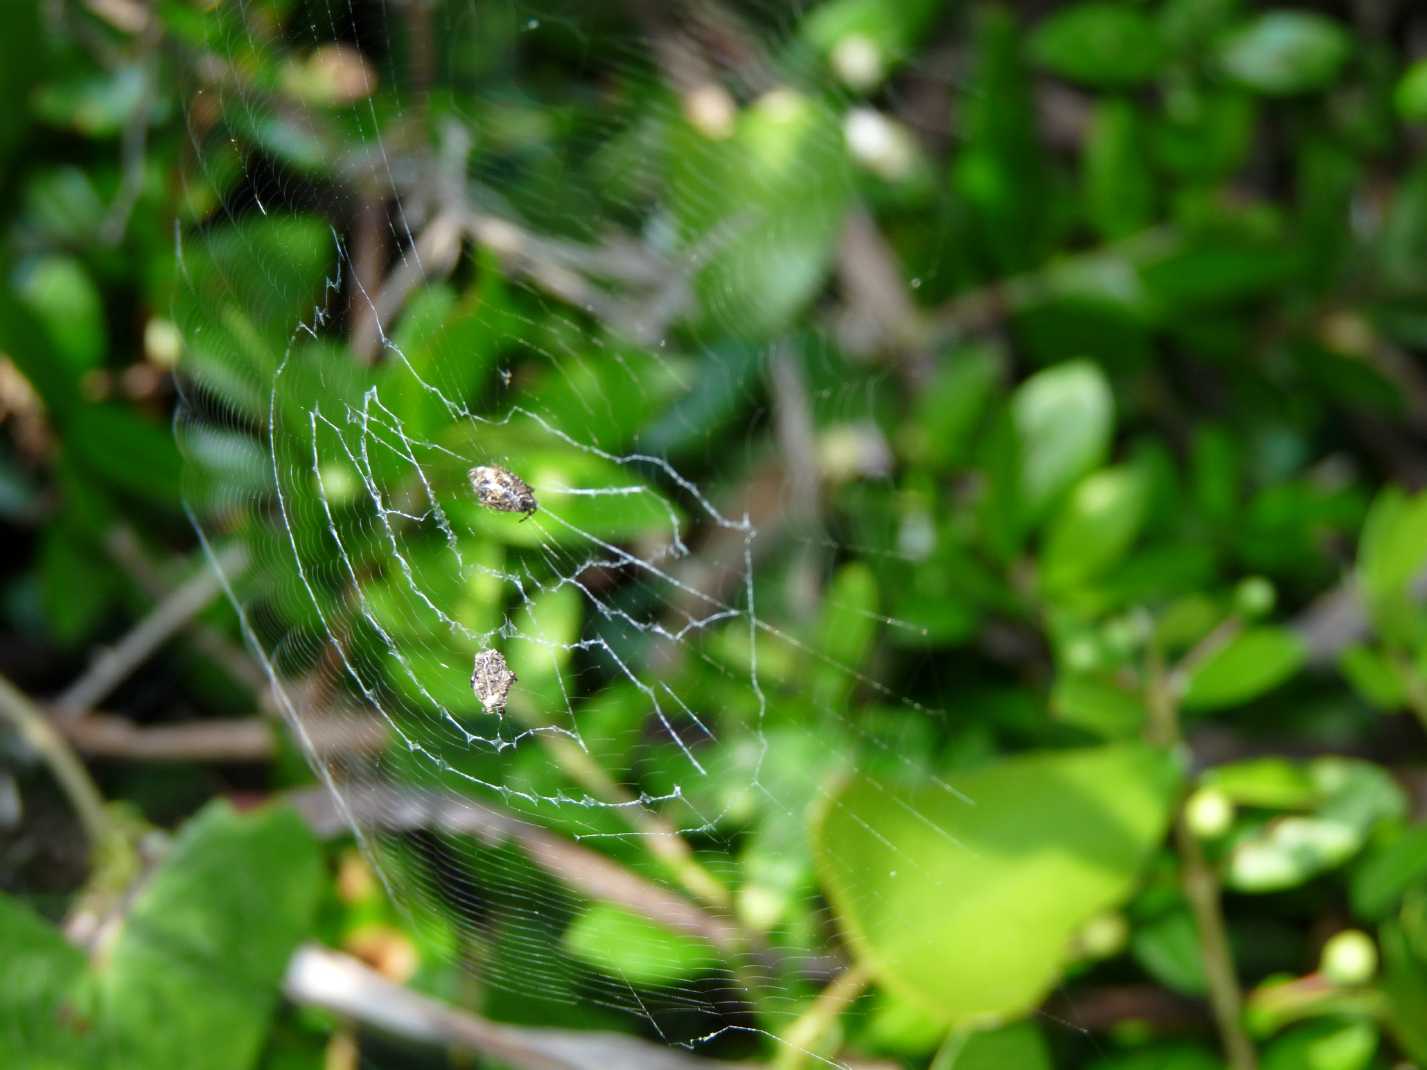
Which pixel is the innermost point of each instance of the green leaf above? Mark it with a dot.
(1095, 527)
(77, 584)
(763, 208)
(634, 949)
(1097, 704)
(1038, 846)
(96, 104)
(67, 303)
(1173, 1056)
(1003, 175)
(1388, 872)
(1119, 185)
(1102, 44)
(1373, 676)
(127, 451)
(203, 949)
(1350, 798)
(1274, 783)
(846, 630)
(949, 410)
(1411, 95)
(1284, 52)
(1392, 553)
(1331, 1044)
(1403, 941)
(1018, 1045)
(195, 971)
(1063, 419)
(42, 1024)
(21, 63)
(1168, 949)
(1253, 662)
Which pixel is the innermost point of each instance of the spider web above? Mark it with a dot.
(466, 250)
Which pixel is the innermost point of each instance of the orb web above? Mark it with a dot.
(578, 246)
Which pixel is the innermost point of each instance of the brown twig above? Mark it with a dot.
(341, 984)
(124, 547)
(584, 870)
(243, 739)
(114, 665)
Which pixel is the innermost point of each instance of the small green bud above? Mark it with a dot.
(1349, 958)
(1104, 936)
(1254, 597)
(1209, 813)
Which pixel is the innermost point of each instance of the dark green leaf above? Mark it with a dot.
(1104, 44)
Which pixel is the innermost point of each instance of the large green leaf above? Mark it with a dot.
(967, 906)
(202, 952)
(42, 1025)
(195, 970)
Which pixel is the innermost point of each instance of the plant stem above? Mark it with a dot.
(1201, 885)
(74, 780)
(813, 1023)
(1226, 999)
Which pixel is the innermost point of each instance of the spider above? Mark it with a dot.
(498, 489)
(491, 680)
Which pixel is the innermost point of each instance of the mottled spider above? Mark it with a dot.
(491, 680)
(501, 490)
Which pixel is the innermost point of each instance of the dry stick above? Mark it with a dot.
(113, 667)
(240, 739)
(343, 985)
(1201, 886)
(124, 547)
(1339, 619)
(586, 871)
(35, 728)
(662, 839)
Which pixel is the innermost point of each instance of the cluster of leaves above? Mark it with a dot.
(1155, 395)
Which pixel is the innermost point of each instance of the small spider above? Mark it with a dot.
(503, 491)
(491, 680)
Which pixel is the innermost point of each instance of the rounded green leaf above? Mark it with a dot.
(967, 906)
(1254, 661)
(635, 949)
(66, 301)
(1063, 419)
(1095, 527)
(1285, 52)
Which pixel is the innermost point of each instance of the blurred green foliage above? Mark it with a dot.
(1123, 530)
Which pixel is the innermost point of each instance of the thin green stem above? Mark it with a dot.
(803, 1035)
(1199, 881)
(74, 780)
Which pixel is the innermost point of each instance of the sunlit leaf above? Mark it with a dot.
(996, 882)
